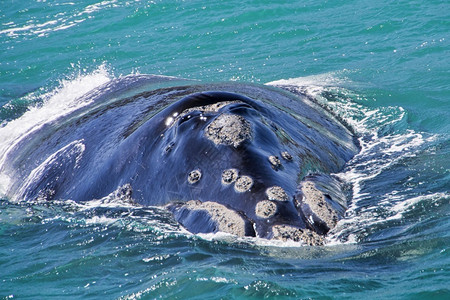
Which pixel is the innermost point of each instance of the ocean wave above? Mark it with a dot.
(388, 147)
(67, 97)
(57, 22)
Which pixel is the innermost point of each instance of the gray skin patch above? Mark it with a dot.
(290, 233)
(276, 193)
(286, 155)
(194, 176)
(315, 199)
(275, 162)
(229, 176)
(228, 129)
(227, 220)
(243, 184)
(265, 209)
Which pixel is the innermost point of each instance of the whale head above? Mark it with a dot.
(239, 158)
(229, 165)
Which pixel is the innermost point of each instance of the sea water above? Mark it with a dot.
(383, 66)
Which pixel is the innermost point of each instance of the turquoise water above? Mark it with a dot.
(381, 65)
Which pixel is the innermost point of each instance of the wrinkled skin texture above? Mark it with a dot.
(246, 159)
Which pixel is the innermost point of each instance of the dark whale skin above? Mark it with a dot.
(169, 141)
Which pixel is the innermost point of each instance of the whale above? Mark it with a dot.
(241, 158)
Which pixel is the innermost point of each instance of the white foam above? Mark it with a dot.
(217, 279)
(318, 81)
(97, 7)
(400, 208)
(59, 21)
(100, 220)
(379, 154)
(257, 241)
(385, 143)
(361, 118)
(57, 103)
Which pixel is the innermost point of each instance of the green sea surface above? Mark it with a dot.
(383, 66)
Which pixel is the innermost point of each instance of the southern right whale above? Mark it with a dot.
(247, 159)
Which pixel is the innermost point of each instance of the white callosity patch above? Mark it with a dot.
(276, 193)
(229, 176)
(265, 209)
(194, 176)
(227, 220)
(211, 108)
(286, 155)
(290, 233)
(203, 109)
(275, 162)
(243, 184)
(315, 199)
(229, 129)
